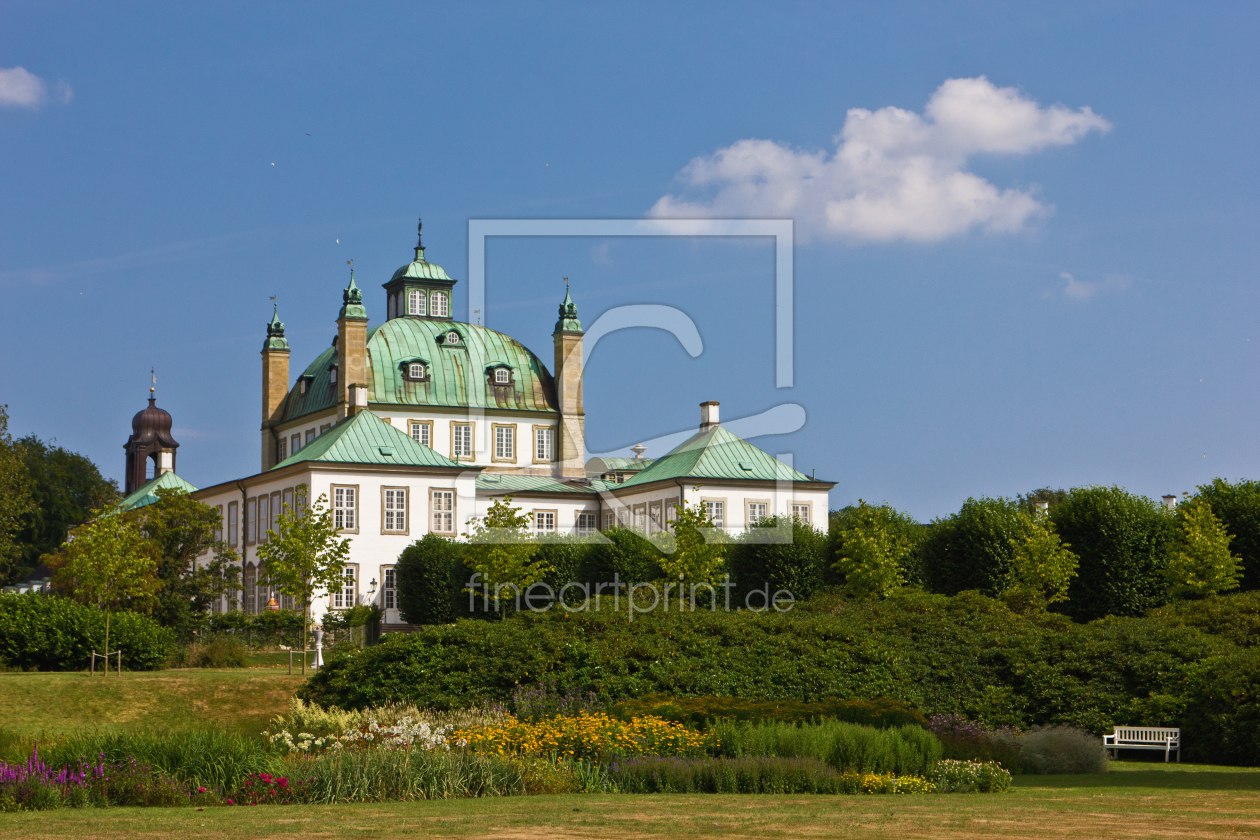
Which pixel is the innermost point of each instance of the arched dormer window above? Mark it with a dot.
(438, 305)
(414, 370)
(304, 385)
(502, 376)
(416, 302)
(332, 375)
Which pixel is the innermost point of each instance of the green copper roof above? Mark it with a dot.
(457, 374)
(421, 270)
(275, 332)
(367, 439)
(626, 464)
(716, 454)
(568, 321)
(513, 483)
(147, 494)
(352, 301)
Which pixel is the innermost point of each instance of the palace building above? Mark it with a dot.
(417, 424)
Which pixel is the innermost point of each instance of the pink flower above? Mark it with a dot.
(230, 802)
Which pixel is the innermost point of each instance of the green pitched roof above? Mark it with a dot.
(512, 483)
(367, 439)
(716, 453)
(457, 374)
(627, 464)
(147, 494)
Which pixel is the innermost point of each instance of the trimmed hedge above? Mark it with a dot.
(47, 633)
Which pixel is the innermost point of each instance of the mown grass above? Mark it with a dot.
(237, 700)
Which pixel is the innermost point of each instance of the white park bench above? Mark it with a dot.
(1144, 738)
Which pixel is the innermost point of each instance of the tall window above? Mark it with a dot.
(717, 513)
(437, 305)
(281, 450)
(502, 376)
(344, 509)
(420, 433)
(232, 526)
(610, 519)
(756, 512)
(347, 593)
(251, 521)
(218, 532)
(504, 443)
(264, 518)
(461, 440)
(585, 524)
(295, 443)
(332, 375)
(443, 505)
(654, 517)
(544, 522)
(543, 443)
(415, 302)
(310, 436)
(389, 592)
(248, 585)
(392, 310)
(288, 502)
(395, 509)
(801, 512)
(640, 519)
(275, 511)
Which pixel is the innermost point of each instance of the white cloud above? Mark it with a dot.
(1082, 290)
(20, 88)
(895, 174)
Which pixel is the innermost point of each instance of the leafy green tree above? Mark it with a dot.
(1049, 496)
(1123, 541)
(304, 555)
(502, 551)
(973, 549)
(1200, 563)
(15, 501)
(901, 524)
(1238, 506)
(870, 550)
(797, 562)
(695, 557)
(430, 575)
(109, 563)
(1041, 569)
(66, 487)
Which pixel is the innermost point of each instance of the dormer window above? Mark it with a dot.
(437, 305)
(304, 385)
(451, 339)
(416, 302)
(332, 375)
(502, 376)
(415, 371)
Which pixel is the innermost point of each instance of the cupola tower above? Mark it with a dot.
(150, 440)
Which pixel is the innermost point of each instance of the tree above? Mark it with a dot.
(1041, 569)
(304, 555)
(15, 501)
(870, 548)
(109, 563)
(1200, 563)
(1238, 507)
(425, 570)
(973, 549)
(694, 559)
(66, 487)
(1122, 540)
(797, 565)
(1052, 498)
(502, 552)
(181, 529)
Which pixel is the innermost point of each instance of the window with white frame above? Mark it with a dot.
(461, 440)
(442, 503)
(389, 589)
(623, 518)
(345, 508)
(502, 376)
(505, 443)
(585, 524)
(544, 443)
(438, 308)
(640, 518)
(347, 592)
(452, 338)
(275, 512)
(415, 370)
(544, 522)
(801, 512)
(422, 433)
(264, 518)
(248, 585)
(655, 520)
(610, 519)
(332, 375)
(394, 509)
(757, 511)
(287, 501)
(716, 511)
(295, 443)
(415, 302)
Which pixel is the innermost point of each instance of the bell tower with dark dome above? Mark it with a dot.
(150, 438)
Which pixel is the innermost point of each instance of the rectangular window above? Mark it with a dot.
(716, 509)
(394, 510)
(218, 532)
(585, 524)
(655, 520)
(544, 522)
(276, 500)
(671, 512)
(801, 512)
(389, 591)
(610, 519)
(437, 304)
(310, 436)
(232, 528)
(504, 443)
(295, 443)
(345, 508)
(623, 518)
(325, 427)
(248, 585)
(442, 503)
(281, 450)
(422, 433)
(544, 444)
(756, 512)
(287, 501)
(264, 518)
(640, 518)
(345, 595)
(251, 521)
(462, 440)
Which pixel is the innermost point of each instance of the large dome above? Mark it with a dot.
(421, 270)
(459, 374)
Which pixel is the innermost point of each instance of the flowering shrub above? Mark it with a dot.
(317, 721)
(952, 776)
(762, 774)
(585, 736)
(35, 786)
(405, 734)
(266, 789)
(970, 740)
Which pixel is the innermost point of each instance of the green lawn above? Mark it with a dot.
(241, 699)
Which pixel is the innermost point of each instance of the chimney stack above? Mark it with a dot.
(709, 415)
(1170, 502)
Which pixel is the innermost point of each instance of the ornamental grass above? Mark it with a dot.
(760, 774)
(587, 736)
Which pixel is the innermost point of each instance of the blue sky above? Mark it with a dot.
(996, 289)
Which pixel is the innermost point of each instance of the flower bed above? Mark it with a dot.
(586, 736)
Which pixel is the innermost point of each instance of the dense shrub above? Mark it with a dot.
(1122, 540)
(952, 776)
(219, 652)
(761, 774)
(1238, 506)
(39, 632)
(845, 746)
(973, 549)
(797, 565)
(1219, 712)
(1061, 749)
(267, 629)
(430, 573)
(698, 712)
(1235, 616)
(626, 554)
(968, 740)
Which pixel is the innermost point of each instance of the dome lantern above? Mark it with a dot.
(419, 289)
